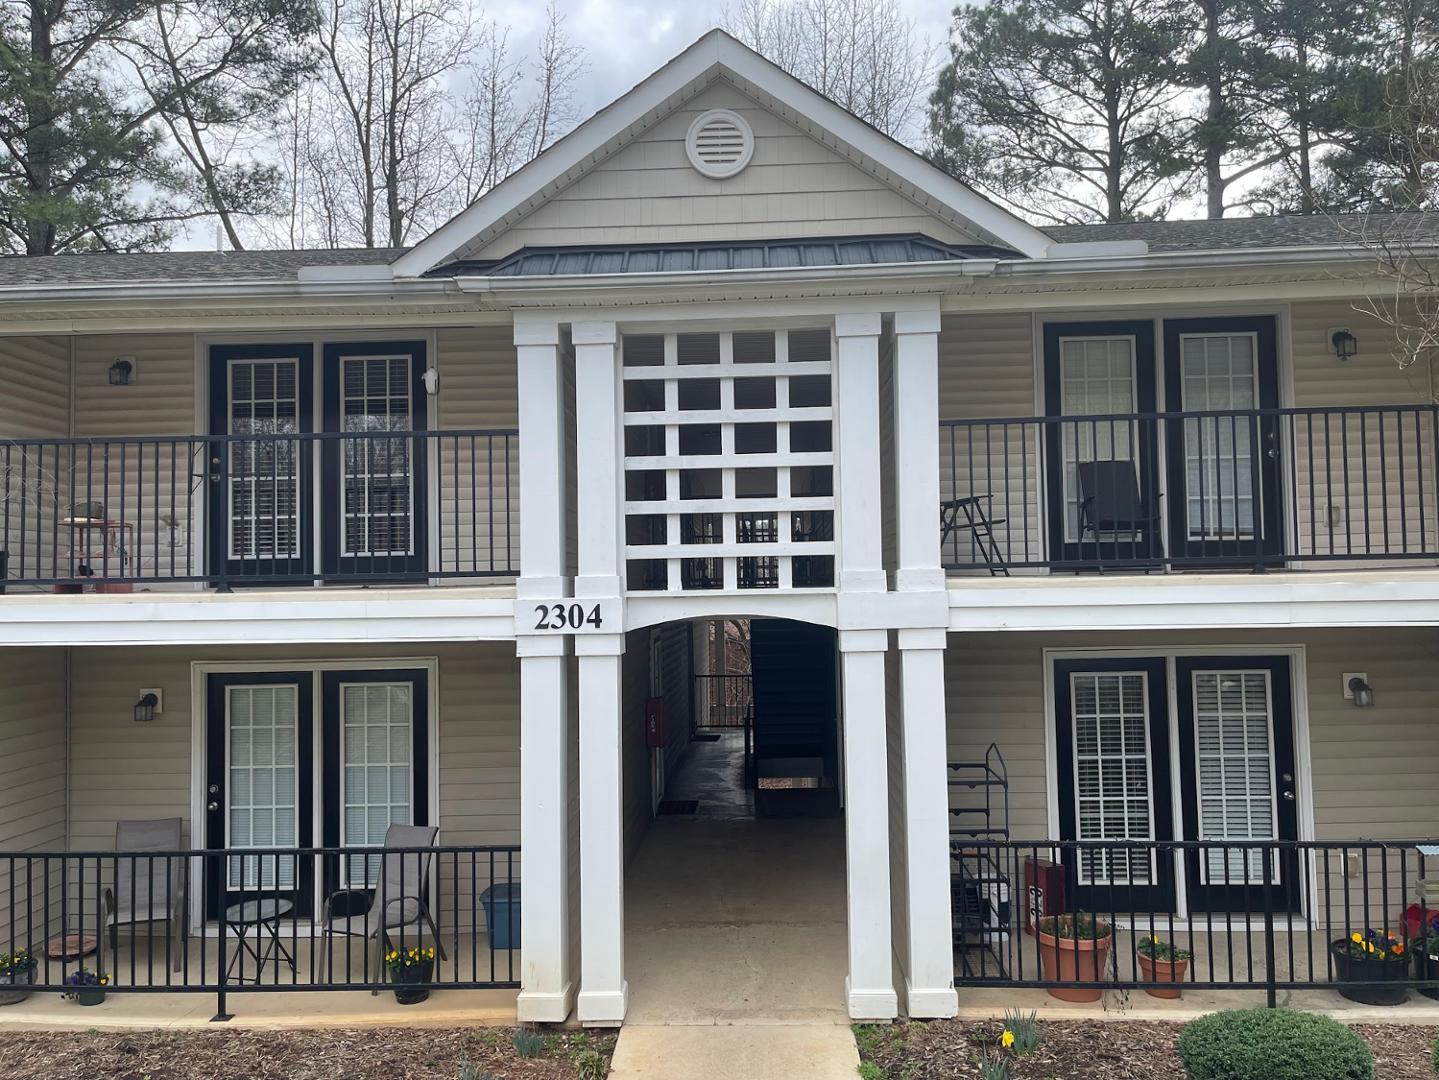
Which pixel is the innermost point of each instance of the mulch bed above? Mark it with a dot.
(249, 1054)
(1094, 1050)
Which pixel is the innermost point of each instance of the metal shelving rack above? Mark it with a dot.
(981, 893)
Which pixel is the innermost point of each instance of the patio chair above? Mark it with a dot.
(147, 891)
(971, 514)
(402, 891)
(1110, 505)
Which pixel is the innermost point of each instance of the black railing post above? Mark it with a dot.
(1271, 978)
(221, 1012)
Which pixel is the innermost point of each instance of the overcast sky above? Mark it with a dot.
(625, 40)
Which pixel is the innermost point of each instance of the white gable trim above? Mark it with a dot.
(711, 56)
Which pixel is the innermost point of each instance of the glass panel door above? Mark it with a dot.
(260, 478)
(1112, 739)
(1225, 501)
(1100, 446)
(259, 787)
(1096, 379)
(1239, 784)
(374, 474)
(374, 765)
(1219, 372)
(377, 744)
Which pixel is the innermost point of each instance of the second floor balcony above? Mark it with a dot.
(259, 509)
(1249, 489)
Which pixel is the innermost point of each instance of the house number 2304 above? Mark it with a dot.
(567, 617)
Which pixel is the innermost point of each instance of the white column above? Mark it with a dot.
(929, 952)
(542, 459)
(546, 985)
(604, 994)
(916, 449)
(546, 988)
(869, 987)
(856, 431)
(597, 434)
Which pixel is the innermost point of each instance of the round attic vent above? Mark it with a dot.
(719, 143)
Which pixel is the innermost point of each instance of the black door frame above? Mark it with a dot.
(1093, 553)
(373, 567)
(1116, 899)
(1286, 896)
(217, 470)
(1268, 549)
(217, 786)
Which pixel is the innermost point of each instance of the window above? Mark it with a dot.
(1111, 770)
(1218, 372)
(262, 771)
(376, 743)
(1234, 757)
(264, 478)
(1097, 378)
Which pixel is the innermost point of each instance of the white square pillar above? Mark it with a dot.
(929, 952)
(597, 466)
(856, 443)
(869, 986)
(546, 988)
(916, 449)
(604, 994)
(546, 984)
(542, 458)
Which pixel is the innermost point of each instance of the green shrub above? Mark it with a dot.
(528, 1044)
(1273, 1044)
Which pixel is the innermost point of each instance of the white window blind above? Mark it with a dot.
(377, 736)
(263, 729)
(1233, 712)
(263, 475)
(1112, 783)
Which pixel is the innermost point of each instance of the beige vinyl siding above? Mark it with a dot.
(35, 405)
(1376, 466)
(648, 192)
(121, 769)
(32, 787)
(479, 481)
(986, 370)
(1373, 769)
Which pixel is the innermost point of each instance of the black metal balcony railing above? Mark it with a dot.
(1251, 488)
(1261, 916)
(246, 509)
(723, 701)
(274, 919)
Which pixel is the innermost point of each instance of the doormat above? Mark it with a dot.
(706, 737)
(679, 806)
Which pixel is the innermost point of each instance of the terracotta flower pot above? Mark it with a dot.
(1074, 960)
(1163, 971)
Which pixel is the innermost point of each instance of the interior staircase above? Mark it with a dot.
(795, 744)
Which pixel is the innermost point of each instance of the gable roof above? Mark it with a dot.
(717, 56)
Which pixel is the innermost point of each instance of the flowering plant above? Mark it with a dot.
(1080, 926)
(84, 979)
(16, 963)
(1377, 945)
(398, 960)
(1164, 951)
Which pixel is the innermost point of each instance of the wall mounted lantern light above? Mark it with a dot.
(1343, 343)
(122, 371)
(146, 707)
(1361, 692)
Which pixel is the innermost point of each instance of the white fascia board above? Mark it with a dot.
(282, 619)
(246, 288)
(711, 55)
(1200, 602)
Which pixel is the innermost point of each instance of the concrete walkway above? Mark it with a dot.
(735, 943)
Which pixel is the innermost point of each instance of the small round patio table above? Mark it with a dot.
(257, 935)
